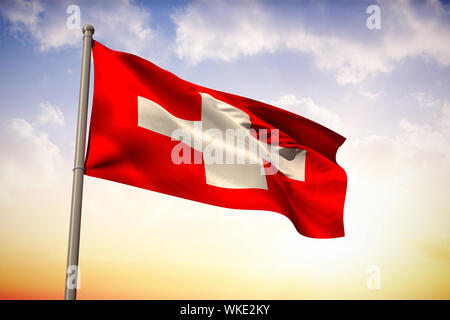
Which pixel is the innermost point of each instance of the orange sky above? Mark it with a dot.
(139, 245)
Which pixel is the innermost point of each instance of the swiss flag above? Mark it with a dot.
(145, 129)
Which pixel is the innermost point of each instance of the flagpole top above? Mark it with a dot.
(88, 29)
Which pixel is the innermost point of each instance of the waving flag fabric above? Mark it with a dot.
(153, 130)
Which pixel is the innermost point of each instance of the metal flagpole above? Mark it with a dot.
(78, 169)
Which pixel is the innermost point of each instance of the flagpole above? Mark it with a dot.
(72, 274)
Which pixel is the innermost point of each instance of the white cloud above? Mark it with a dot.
(31, 163)
(307, 108)
(50, 114)
(122, 23)
(424, 145)
(444, 120)
(423, 141)
(222, 30)
(425, 99)
(350, 61)
(403, 179)
(217, 30)
(369, 94)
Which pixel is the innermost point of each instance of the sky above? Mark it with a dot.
(386, 90)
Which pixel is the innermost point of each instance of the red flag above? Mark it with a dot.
(138, 108)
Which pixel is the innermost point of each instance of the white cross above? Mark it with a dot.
(221, 116)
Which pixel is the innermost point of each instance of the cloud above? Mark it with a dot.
(122, 23)
(419, 149)
(206, 30)
(401, 181)
(369, 94)
(31, 163)
(307, 108)
(50, 114)
(218, 29)
(425, 99)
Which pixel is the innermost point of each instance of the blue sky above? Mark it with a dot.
(386, 90)
(51, 74)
